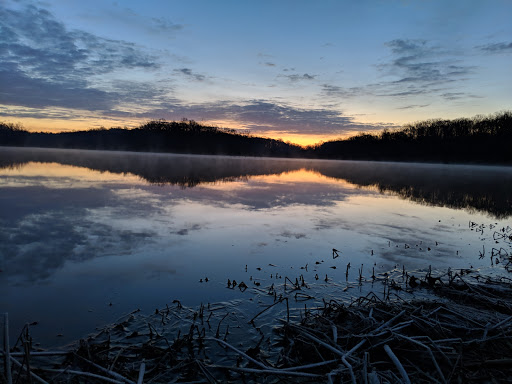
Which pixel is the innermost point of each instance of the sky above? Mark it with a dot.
(302, 71)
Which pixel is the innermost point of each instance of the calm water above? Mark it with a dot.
(88, 236)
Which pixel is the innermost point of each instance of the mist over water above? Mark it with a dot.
(86, 236)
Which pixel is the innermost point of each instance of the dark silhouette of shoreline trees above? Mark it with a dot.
(186, 136)
(481, 139)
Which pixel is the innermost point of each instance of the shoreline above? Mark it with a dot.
(460, 328)
(391, 160)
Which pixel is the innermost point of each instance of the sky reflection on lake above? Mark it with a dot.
(82, 230)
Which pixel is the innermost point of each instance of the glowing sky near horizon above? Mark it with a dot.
(300, 70)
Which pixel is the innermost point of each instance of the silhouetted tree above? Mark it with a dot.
(186, 136)
(481, 139)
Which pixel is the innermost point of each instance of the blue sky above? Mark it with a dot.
(303, 71)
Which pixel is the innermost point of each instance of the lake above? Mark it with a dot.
(86, 236)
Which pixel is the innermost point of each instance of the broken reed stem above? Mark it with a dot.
(347, 364)
(142, 370)
(269, 371)
(32, 374)
(365, 367)
(438, 369)
(270, 306)
(220, 322)
(371, 321)
(397, 364)
(209, 376)
(81, 373)
(503, 322)
(43, 353)
(7, 349)
(317, 340)
(389, 322)
(107, 371)
(307, 366)
(27, 354)
(334, 333)
(115, 359)
(259, 364)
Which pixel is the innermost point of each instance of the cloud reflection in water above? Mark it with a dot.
(140, 229)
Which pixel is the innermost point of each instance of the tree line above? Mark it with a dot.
(186, 136)
(481, 139)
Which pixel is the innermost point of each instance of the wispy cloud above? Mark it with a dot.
(267, 116)
(44, 64)
(459, 95)
(296, 77)
(496, 48)
(415, 69)
(414, 106)
(119, 16)
(339, 91)
(48, 70)
(189, 73)
(417, 62)
(20, 89)
(163, 24)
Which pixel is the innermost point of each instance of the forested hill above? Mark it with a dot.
(156, 136)
(482, 139)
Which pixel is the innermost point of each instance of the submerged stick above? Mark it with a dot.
(397, 363)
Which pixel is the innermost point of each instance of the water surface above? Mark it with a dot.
(86, 235)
